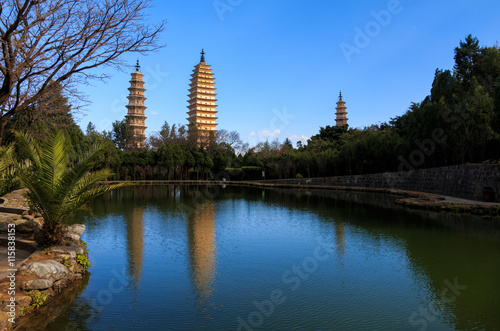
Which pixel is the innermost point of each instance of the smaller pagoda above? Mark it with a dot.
(341, 112)
(135, 116)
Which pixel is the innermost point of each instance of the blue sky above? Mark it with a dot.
(279, 65)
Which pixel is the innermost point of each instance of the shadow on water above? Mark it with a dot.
(461, 279)
(58, 312)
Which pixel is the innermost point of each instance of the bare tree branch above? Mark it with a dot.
(49, 43)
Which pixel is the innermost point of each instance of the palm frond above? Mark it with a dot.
(73, 179)
(57, 189)
(54, 159)
(7, 173)
(29, 146)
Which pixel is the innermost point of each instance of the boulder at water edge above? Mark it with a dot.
(37, 284)
(73, 232)
(48, 269)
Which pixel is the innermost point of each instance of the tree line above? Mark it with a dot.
(459, 122)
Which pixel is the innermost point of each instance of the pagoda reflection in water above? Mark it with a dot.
(135, 243)
(202, 249)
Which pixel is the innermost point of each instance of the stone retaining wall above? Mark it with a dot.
(464, 181)
(9, 210)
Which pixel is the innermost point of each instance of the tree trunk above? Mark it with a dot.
(3, 123)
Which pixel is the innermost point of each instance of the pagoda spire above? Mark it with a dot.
(341, 112)
(202, 108)
(135, 115)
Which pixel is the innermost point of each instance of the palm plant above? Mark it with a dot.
(8, 174)
(56, 188)
(5, 157)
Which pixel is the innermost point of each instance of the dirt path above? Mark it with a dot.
(469, 202)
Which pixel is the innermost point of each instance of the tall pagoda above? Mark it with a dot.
(341, 112)
(202, 102)
(136, 108)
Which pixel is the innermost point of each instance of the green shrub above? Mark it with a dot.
(65, 263)
(235, 173)
(84, 244)
(39, 298)
(83, 260)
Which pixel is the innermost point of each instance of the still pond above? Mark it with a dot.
(239, 258)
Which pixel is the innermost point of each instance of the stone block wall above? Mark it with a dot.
(463, 181)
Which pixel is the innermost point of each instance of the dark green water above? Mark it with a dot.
(186, 258)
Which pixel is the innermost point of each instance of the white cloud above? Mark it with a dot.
(298, 137)
(274, 133)
(153, 112)
(252, 133)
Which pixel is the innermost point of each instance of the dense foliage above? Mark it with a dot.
(458, 122)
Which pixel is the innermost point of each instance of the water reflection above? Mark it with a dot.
(202, 250)
(340, 241)
(53, 314)
(444, 261)
(135, 244)
(382, 251)
(193, 202)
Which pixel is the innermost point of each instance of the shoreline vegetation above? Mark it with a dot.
(43, 273)
(41, 278)
(35, 275)
(54, 186)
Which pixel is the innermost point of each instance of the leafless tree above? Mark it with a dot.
(231, 138)
(49, 43)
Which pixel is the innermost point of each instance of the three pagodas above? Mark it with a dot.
(202, 108)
